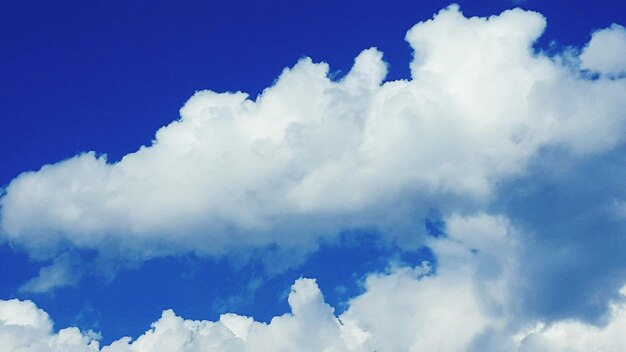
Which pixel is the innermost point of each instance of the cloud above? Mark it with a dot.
(447, 310)
(24, 327)
(312, 156)
(520, 152)
(311, 326)
(606, 51)
(410, 303)
(63, 271)
(466, 305)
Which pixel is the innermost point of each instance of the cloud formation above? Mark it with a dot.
(312, 156)
(24, 327)
(606, 51)
(521, 151)
(465, 306)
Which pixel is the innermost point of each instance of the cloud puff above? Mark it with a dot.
(606, 51)
(311, 156)
(25, 328)
(311, 326)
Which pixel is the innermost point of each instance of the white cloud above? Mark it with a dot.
(464, 306)
(416, 309)
(450, 309)
(311, 326)
(415, 306)
(606, 51)
(25, 328)
(311, 156)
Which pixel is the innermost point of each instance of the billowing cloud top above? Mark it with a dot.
(311, 155)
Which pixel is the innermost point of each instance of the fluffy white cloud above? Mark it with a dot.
(465, 305)
(25, 328)
(446, 310)
(311, 326)
(418, 308)
(312, 156)
(606, 51)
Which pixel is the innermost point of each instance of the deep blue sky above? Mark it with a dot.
(105, 75)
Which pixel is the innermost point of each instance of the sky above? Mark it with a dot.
(320, 176)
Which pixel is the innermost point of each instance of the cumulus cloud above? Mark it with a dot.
(520, 151)
(311, 156)
(464, 306)
(311, 326)
(606, 51)
(419, 308)
(26, 328)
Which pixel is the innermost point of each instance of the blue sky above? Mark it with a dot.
(494, 165)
